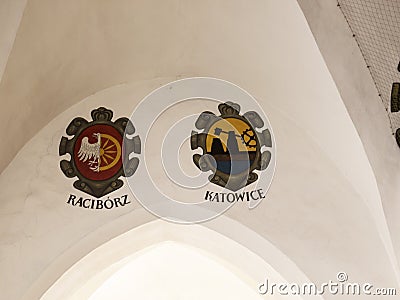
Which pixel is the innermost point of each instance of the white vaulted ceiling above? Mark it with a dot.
(54, 51)
(376, 28)
(334, 200)
(347, 64)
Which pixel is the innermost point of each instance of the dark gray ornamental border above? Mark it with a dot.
(100, 116)
(205, 162)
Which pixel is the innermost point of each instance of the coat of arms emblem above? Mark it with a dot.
(233, 146)
(98, 150)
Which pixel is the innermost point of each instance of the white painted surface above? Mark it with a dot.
(317, 213)
(90, 273)
(359, 94)
(11, 12)
(170, 271)
(309, 225)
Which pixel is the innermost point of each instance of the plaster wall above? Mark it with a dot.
(323, 211)
(360, 96)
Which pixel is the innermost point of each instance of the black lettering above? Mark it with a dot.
(71, 199)
(79, 202)
(260, 192)
(125, 197)
(118, 201)
(223, 196)
(99, 204)
(240, 196)
(208, 195)
(108, 201)
(215, 197)
(84, 203)
(251, 194)
(233, 197)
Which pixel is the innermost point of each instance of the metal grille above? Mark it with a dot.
(376, 28)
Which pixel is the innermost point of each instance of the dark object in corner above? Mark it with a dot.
(395, 97)
(398, 136)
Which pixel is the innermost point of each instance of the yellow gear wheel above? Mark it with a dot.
(110, 152)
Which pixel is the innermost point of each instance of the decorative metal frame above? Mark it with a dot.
(395, 97)
(130, 145)
(397, 135)
(395, 105)
(206, 162)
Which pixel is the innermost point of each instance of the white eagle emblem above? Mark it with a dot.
(91, 152)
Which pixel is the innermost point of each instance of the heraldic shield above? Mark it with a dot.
(231, 146)
(100, 152)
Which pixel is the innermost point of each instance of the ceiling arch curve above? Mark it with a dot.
(108, 55)
(111, 256)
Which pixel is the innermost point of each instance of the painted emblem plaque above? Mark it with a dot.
(98, 150)
(232, 146)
